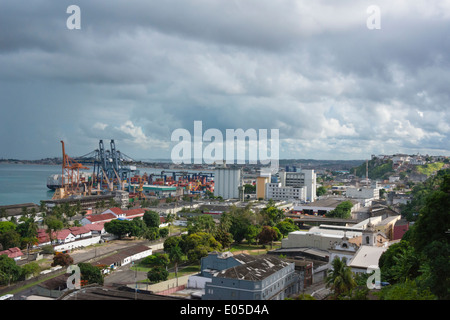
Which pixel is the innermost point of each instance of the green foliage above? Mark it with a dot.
(29, 269)
(171, 242)
(202, 223)
(6, 226)
(9, 271)
(10, 239)
(272, 215)
(420, 193)
(48, 249)
(434, 219)
(152, 233)
(90, 273)
(378, 169)
(340, 278)
(429, 168)
(197, 245)
(157, 259)
(321, 191)
(151, 219)
(286, 226)
(408, 290)
(420, 264)
(163, 232)
(119, 228)
(157, 274)
(342, 210)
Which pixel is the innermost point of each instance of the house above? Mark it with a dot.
(96, 228)
(68, 239)
(134, 213)
(98, 218)
(13, 253)
(365, 258)
(247, 277)
(124, 257)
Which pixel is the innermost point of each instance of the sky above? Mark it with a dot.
(337, 79)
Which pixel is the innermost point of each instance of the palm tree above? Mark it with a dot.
(176, 256)
(169, 219)
(340, 278)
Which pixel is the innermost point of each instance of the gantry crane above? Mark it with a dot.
(70, 180)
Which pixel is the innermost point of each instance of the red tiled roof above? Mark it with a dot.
(62, 234)
(101, 217)
(12, 252)
(78, 230)
(95, 226)
(116, 210)
(134, 212)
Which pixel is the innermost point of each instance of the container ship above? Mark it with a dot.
(54, 181)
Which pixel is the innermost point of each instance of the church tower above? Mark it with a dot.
(369, 235)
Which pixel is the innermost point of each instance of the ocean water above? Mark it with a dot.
(25, 183)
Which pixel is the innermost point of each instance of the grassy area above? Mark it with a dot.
(253, 248)
(182, 271)
(429, 168)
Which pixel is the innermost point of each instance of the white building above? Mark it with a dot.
(227, 182)
(276, 191)
(304, 178)
(363, 193)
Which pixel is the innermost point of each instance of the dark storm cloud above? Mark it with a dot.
(137, 70)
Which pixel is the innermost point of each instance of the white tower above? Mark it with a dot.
(369, 235)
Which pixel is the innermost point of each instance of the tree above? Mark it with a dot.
(151, 219)
(342, 210)
(157, 259)
(434, 218)
(176, 256)
(62, 259)
(29, 269)
(90, 274)
(9, 239)
(9, 270)
(163, 232)
(138, 228)
(272, 215)
(152, 233)
(53, 224)
(340, 278)
(118, 227)
(286, 226)
(203, 223)
(321, 191)
(197, 245)
(407, 290)
(157, 274)
(170, 218)
(251, 235)
(171, 242)
(267, 234)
